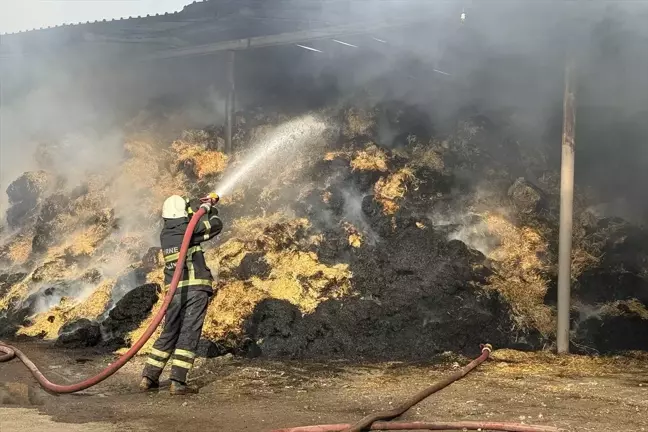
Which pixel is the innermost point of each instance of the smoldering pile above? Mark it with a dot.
(375, 244)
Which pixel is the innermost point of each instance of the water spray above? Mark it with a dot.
(276, 144)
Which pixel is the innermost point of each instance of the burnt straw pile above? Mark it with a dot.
(382, 239)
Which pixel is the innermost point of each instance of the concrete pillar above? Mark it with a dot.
(566, 210)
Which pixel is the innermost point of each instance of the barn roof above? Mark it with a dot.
(216, 21)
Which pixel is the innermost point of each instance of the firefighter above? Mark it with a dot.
(186, 313)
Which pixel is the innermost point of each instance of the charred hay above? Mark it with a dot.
(82, 333)
(128, 314)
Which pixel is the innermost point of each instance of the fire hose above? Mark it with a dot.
(371, 422)
(8, 352)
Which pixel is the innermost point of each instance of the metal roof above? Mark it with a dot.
(196, 8)
(82, 23)
(215, 21)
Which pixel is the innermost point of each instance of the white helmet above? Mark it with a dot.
(174, 207)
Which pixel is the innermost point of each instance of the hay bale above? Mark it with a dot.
(358, 123)
(198, 162)
(370, 159)
(210, 349)
(520, 271)
(129, 287)
(614, 327)
(399, 310)
(152, 259)
(50, 270)
(53, 206)
(24, 194)
(63, 302)
(129, 312)
(253, 265)
(82, 333)
(8, 280)
(526, 197)
(29, 187)
(389, 190)
(233, 303)
(19, 249)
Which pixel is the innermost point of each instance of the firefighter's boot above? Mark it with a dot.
(178, 389)
(148, 384)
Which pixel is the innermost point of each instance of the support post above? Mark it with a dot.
(229, 103)
(566, 209)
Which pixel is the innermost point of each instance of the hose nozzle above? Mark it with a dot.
(209, 201)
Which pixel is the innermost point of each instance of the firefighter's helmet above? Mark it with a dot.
(174, 207)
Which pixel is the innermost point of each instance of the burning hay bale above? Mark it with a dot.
(358, 123)
(370, 159)
(252, 265)
(65, 303)
(526, 197)
(612, 328)
(79, 334)
(50, 270)
(388, 293)
(48, 223)
(19, 249)
(233, 303)
(147, 156)
(8, 280)
(24, 194)
(300, 278)
(129, 313)
(388, 190)
(520, 271)
(428, 156)
(268, 258)
(197, 161)
(355, 236)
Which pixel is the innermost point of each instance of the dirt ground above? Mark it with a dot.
(573, 393)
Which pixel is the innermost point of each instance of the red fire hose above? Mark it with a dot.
(399, 410)
(428, 426)
(9, 352)
(371, 422)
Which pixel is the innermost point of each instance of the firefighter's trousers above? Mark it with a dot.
(178, 342)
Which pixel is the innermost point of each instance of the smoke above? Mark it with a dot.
(507, 58)
(352, 212)
(46, 296)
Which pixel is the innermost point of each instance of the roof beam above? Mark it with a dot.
(279, 39)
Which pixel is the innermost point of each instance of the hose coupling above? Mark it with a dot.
(487, 347)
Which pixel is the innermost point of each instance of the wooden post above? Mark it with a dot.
(566, 209)
(229, 103)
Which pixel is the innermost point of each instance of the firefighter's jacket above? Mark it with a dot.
(196, 275)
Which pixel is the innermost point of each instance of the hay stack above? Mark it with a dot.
(389, 190)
